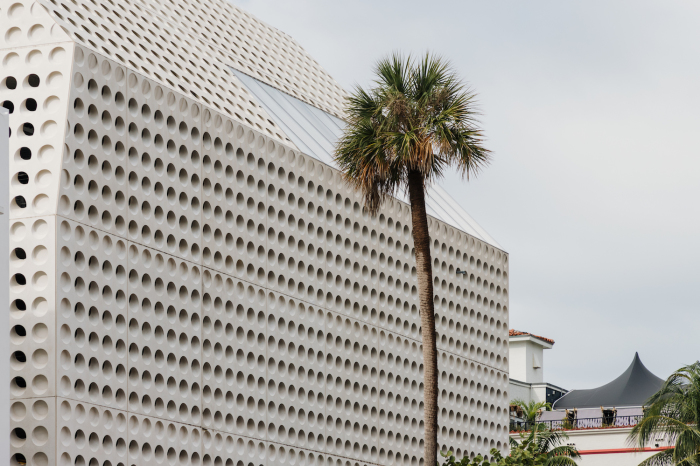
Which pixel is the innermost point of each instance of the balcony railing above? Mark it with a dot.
(580, 424)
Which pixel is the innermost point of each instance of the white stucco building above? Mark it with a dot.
(597, 421)
(526, 368)
(609, 447)
(190, 280)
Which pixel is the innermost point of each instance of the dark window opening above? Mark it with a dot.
(20, 305)
(20, 279)
(33, 80)
(609, 417)
(19, 459)
(10, 82)
(25, 153)
(21, 202)
(19, 356)
(28, 129)
(553, 395)
(9, 106)
(30, 104)
(20, 382)
(22, 177)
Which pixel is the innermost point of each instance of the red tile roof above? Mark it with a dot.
(515, 333)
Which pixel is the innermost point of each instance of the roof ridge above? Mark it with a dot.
(515, 333)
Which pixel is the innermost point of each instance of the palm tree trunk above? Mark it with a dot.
(424, 267)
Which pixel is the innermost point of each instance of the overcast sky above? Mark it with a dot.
(592, 110)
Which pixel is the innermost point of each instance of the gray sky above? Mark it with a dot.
(592, 110)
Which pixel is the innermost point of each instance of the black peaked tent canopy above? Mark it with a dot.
(632, 388)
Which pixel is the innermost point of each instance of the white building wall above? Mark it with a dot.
(607, 447)
(524, 356)
(539, 392)
(517, 362)
(518, 391)
(186, 287)
(527, 392)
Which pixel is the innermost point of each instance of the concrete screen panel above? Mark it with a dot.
(187, 286)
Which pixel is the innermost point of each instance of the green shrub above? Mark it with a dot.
(539, 448)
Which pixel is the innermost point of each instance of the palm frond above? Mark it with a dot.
(513, 443)
(550, 440)
(672, 415)
(394, 72)
(564, 450)
(532, 409)
(662, 458)
(560, 461)
(672, 409)
(419, 116)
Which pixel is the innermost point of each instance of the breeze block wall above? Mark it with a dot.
(188, 288)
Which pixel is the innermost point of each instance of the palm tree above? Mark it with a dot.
(532, 410)
(672, 414)
(402, 135)
(549, 443)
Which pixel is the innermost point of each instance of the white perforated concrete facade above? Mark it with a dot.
(186, 287)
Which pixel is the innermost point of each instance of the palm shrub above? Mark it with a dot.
(402, 134)
(549, 445)
(541, 447)
(532, 410)
(672, 415)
